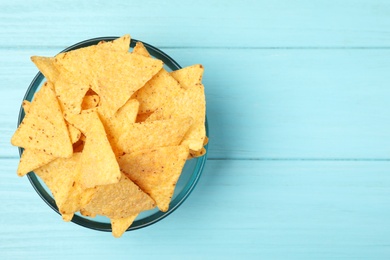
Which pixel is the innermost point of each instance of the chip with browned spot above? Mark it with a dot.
(156, 171)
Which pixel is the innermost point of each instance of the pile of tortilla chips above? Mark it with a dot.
(110, 130)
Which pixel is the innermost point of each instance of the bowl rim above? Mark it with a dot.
(89, 223)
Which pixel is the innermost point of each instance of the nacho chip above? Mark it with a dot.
(98, 164)
(135, 71)
(189, 76)
(59, 176)
(119, 122)
(156, 171)
(67, 217)
(90, 101)
(194, 154)
(120, 225)
(140, 49)
(74, 133)
(32, 159)
(190, 102)
(148, 135)
(142, 117)
(43, 128)
(80, 121)
(119, 200)
(156, 91)
(47, 67)
(86, 213)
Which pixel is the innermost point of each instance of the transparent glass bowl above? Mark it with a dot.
(188, 179)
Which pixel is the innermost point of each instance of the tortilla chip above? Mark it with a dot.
(189, 76)
(148, 135)
(142, 117)
(47, 67)
(90, 101)
(120, 121)
(59, 176)
(189, 103)
(26, 106)
(32, 159)
(156, 91)
(80, 121)
(67, 217)
(120, 225)
(156, 171)
(194, 154)
(86, 213)
(135, 71)
(140, 49)
(43, 128)
(119, 200)
(98, 164)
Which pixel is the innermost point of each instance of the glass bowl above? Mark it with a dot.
(186, 183)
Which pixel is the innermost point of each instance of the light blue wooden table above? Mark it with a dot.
(298, 96)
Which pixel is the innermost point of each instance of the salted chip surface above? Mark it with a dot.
(44, 128)
(156, 171)
(140, 49)
(156, 91)
(90, 101)
(135, 71)
(32, 159)
(80, 121)
(59, 176)
(98, 164)
(148, 135)
(189, 76)
(190, 102)
(120, 200)
(47, 67)
(120, 225)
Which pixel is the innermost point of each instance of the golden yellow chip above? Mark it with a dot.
(86, 213)
(47, 67)
(119, 200)
(148, 135)
(80, 121)
(142, 117)
(60, 176)
(67, 217)
(44, 128)
(141, 50)
(156, 91)
(190, 102)
(189, 76)
(194, 154)
(134, 70)
(98, 164)
(90, 101)
(74, 133)
(120, 225)
(156, 171)
(32, 159)
(120, 121)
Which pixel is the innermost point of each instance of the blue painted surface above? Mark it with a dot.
(298, 105)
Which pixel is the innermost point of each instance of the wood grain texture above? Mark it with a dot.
(250, 209)
(297, 103)
(204, 23)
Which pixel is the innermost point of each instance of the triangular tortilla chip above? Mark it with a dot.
(47, 67)
(119, 200)
(156, 91)
(119, 122)
(98, 164)
(44, 127)
(140, 49)
(147, 135)
(134, 70)
(60, 176)
(80, 121)
(32, 159)
(190, 102)
(189, 76)
(120, 225)
(156, 171)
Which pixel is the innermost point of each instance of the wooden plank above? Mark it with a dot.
(203, 23)
(268, 104)
(250, 209)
